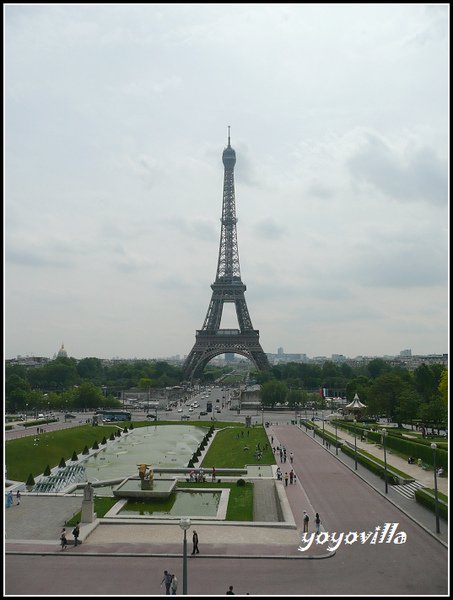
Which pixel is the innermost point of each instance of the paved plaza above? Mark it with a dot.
(263, 559)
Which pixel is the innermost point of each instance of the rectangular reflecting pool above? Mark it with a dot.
(180, 504)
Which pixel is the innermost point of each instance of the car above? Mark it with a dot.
(203, 412)
(69, 416)
(185, 417)
(151, 416)
(40, 416)
(190, 409)
(179, 409)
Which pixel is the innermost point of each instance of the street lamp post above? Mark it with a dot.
(336, 440)
(26, 411)
(384, 435)
(323, 441)
(355, 444)
(436, 498)
(48, 411)
(184, 523)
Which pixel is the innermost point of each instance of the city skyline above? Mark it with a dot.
(115, 122)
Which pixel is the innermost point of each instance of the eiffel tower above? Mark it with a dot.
(210, 341)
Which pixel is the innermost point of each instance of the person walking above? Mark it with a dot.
(195, 549)
(230, 591)
(63, 540)
(174, 584)
(9, 499)
(167, 580)
(306, 519)
(286, 479)
(317, 523)
(18, 497)
(76, 533)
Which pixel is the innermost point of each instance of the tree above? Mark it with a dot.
(273, 392)
(90, 368)
(384, 394)
(378, 366)
(443, 386)
(407, 406)
(88, 395)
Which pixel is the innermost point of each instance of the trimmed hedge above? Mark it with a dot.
(373, 467)
(407, 447)
(428, 500)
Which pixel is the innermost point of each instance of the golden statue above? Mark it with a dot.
(144, 474)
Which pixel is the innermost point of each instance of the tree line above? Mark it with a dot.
(66, 383)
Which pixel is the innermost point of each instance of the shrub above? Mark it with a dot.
(95, 445)
(131, 426)
(74, 456)
(47, 471)
(85, 450)
(104, 441)
(240, 483)
(30, 480)
(62, 463)
(112, 437)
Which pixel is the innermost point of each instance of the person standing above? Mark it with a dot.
(9, 499)
(76, 533)
(18, 497)
(167, 580)
(306, 519)
(63, 540)
(317, 523)
(195, 549)
(174, 584)
(230, 591)
(286, 479)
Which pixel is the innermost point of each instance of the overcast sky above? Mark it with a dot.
(115, 122)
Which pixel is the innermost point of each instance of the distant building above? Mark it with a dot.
(62, 352)
(406, 353)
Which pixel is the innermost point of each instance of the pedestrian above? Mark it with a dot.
(317, 523)
(291, 476)
(9, 499)
(63, 540)
(286, 479)
(18, 497)
(76, 533)
(291, 457)
(230, 591)
(195, 543)
(167, 580)
(306, 519)
(174, 584)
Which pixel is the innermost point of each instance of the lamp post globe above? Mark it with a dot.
(184, 523)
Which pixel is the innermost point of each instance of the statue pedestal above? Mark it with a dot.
(88, 514)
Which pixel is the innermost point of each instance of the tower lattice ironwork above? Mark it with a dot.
(210, 341)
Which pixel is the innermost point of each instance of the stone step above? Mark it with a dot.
(408, 489)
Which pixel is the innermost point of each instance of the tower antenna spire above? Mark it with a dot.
(229, 135)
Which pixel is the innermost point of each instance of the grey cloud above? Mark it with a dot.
(38, 258)
(419, 176)
(269, 229)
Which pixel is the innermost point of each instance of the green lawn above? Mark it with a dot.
(235, 447)
(33, 453)
(240, 503)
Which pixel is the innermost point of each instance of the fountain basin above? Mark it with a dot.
(134, 487)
